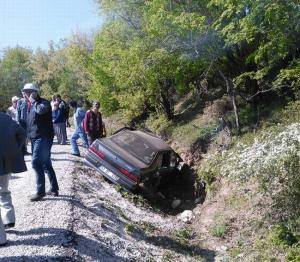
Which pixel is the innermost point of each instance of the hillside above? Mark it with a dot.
(251, 208)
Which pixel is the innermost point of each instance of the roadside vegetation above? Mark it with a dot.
(263, 170)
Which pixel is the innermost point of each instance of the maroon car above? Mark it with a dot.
(132, 158)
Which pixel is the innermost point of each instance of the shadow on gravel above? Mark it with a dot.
(60, 153)
(37, 258)
(63, 238)
(15, 177)
(177, 246)
(65, 160)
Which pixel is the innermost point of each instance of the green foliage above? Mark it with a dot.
(282, 239)
(210, 171)
(158, 123)
(129, 228)
(281, 236)
(58, 71)
(15, 71)
(190, 133)
(291, 113)
(293, 254)
(183, 234)
(147, 227)
(168, 256)
(219, 230)
(134, 198)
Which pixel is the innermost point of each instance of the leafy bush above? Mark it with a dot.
(291, 114)
(282, 236)
(210, 171)
(157, 123)
(183, 234)
(293, 254)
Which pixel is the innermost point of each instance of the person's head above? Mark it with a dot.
(96, 105)
(14, 101)
(73, 104)
(30, 89)
(55, 105)
(54, 98)
(58, 97)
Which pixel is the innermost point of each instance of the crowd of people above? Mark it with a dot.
(36, 120)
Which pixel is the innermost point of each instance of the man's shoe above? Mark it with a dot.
(74, 154)
(37, 197)
(9, 225)
(53, 193)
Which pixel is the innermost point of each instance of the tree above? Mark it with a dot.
(15, 71)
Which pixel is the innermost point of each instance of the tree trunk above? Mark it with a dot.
(231, 93)
(167, 106)
(166, 101)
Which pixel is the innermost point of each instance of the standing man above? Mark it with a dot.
(22, 108)
(79, 115)
(64, 107)
(12, 110)
(40, 132)
(12, 137)
(93, 125)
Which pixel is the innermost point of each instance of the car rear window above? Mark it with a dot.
(134, 145)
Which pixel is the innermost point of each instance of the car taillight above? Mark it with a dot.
(129, 175)
(97, 152)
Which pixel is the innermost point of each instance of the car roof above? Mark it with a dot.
(155, 143)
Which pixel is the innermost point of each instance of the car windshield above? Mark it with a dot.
(134, 145)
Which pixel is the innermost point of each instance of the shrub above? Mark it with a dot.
(291, 113)
(157, 123)
(183, 234)
(282, 236)
(210, 171)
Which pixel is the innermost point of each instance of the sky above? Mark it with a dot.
(33, 23)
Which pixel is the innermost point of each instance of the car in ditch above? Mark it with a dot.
(133, 159)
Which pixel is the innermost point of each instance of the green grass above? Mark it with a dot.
(168, 257)
(219, 230)
(183, 235)
(147, 227)
(129, 228)
(195, 131)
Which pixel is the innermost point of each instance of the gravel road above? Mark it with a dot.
(89, 221)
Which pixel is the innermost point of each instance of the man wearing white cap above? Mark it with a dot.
(40, 132)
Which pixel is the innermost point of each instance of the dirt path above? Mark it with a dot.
(89, 221)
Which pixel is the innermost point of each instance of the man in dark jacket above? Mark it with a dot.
(40, 132)
(12, 138)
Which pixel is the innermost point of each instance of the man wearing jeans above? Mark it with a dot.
(40, 131)
(12, 138)
(79, 114)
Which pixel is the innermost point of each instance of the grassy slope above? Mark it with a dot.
(243, 218)
(236, 219)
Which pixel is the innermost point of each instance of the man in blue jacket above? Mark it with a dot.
(40, 132)
(12, 138)
(79, 114)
